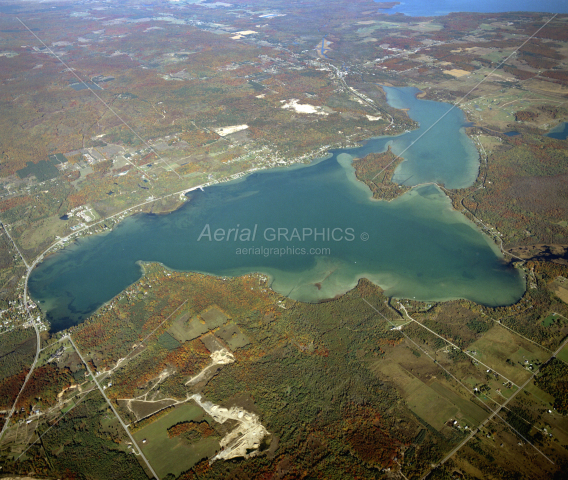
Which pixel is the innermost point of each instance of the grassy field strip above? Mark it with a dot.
(498, 322)
(112, 407)
(516, 391)
(86, 394)
(563, 355)
(167, 452)
(420, 398)
(494, 412)
(15, 246)
(120, 361)
(455, 346)
(172, 455)
(471, 412)
(496, 345)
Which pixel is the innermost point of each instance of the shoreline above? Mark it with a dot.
(268, 280)
(139, 208)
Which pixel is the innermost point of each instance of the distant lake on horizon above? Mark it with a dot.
(420, 8)
(416, 246)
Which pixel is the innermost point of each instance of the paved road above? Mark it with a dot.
(455, 346)
(497, 410)
(494, 412)
(112, 407)
(15, 246)
(38, 340)
(38, 259)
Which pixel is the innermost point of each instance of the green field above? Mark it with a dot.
(214, 317)
(233, 336)
(541, 395)
(168, 341)
(68, 407)
(178, 327)
(144, 409)
(183, 331)
(554, 422)
(209, 319)
(429, 404)
(498, 345)
(173, 455)
(549, 321)
(563, 354)
(471, 413)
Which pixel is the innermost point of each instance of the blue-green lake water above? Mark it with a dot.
(420, 8)
(439, 151)
(314, 229)
(560, 132)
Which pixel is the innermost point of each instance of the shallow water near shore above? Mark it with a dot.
(314, 229)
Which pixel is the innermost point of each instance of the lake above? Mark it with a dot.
(560, 132)
(439, 151)
(419, 8)
(314, 229)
